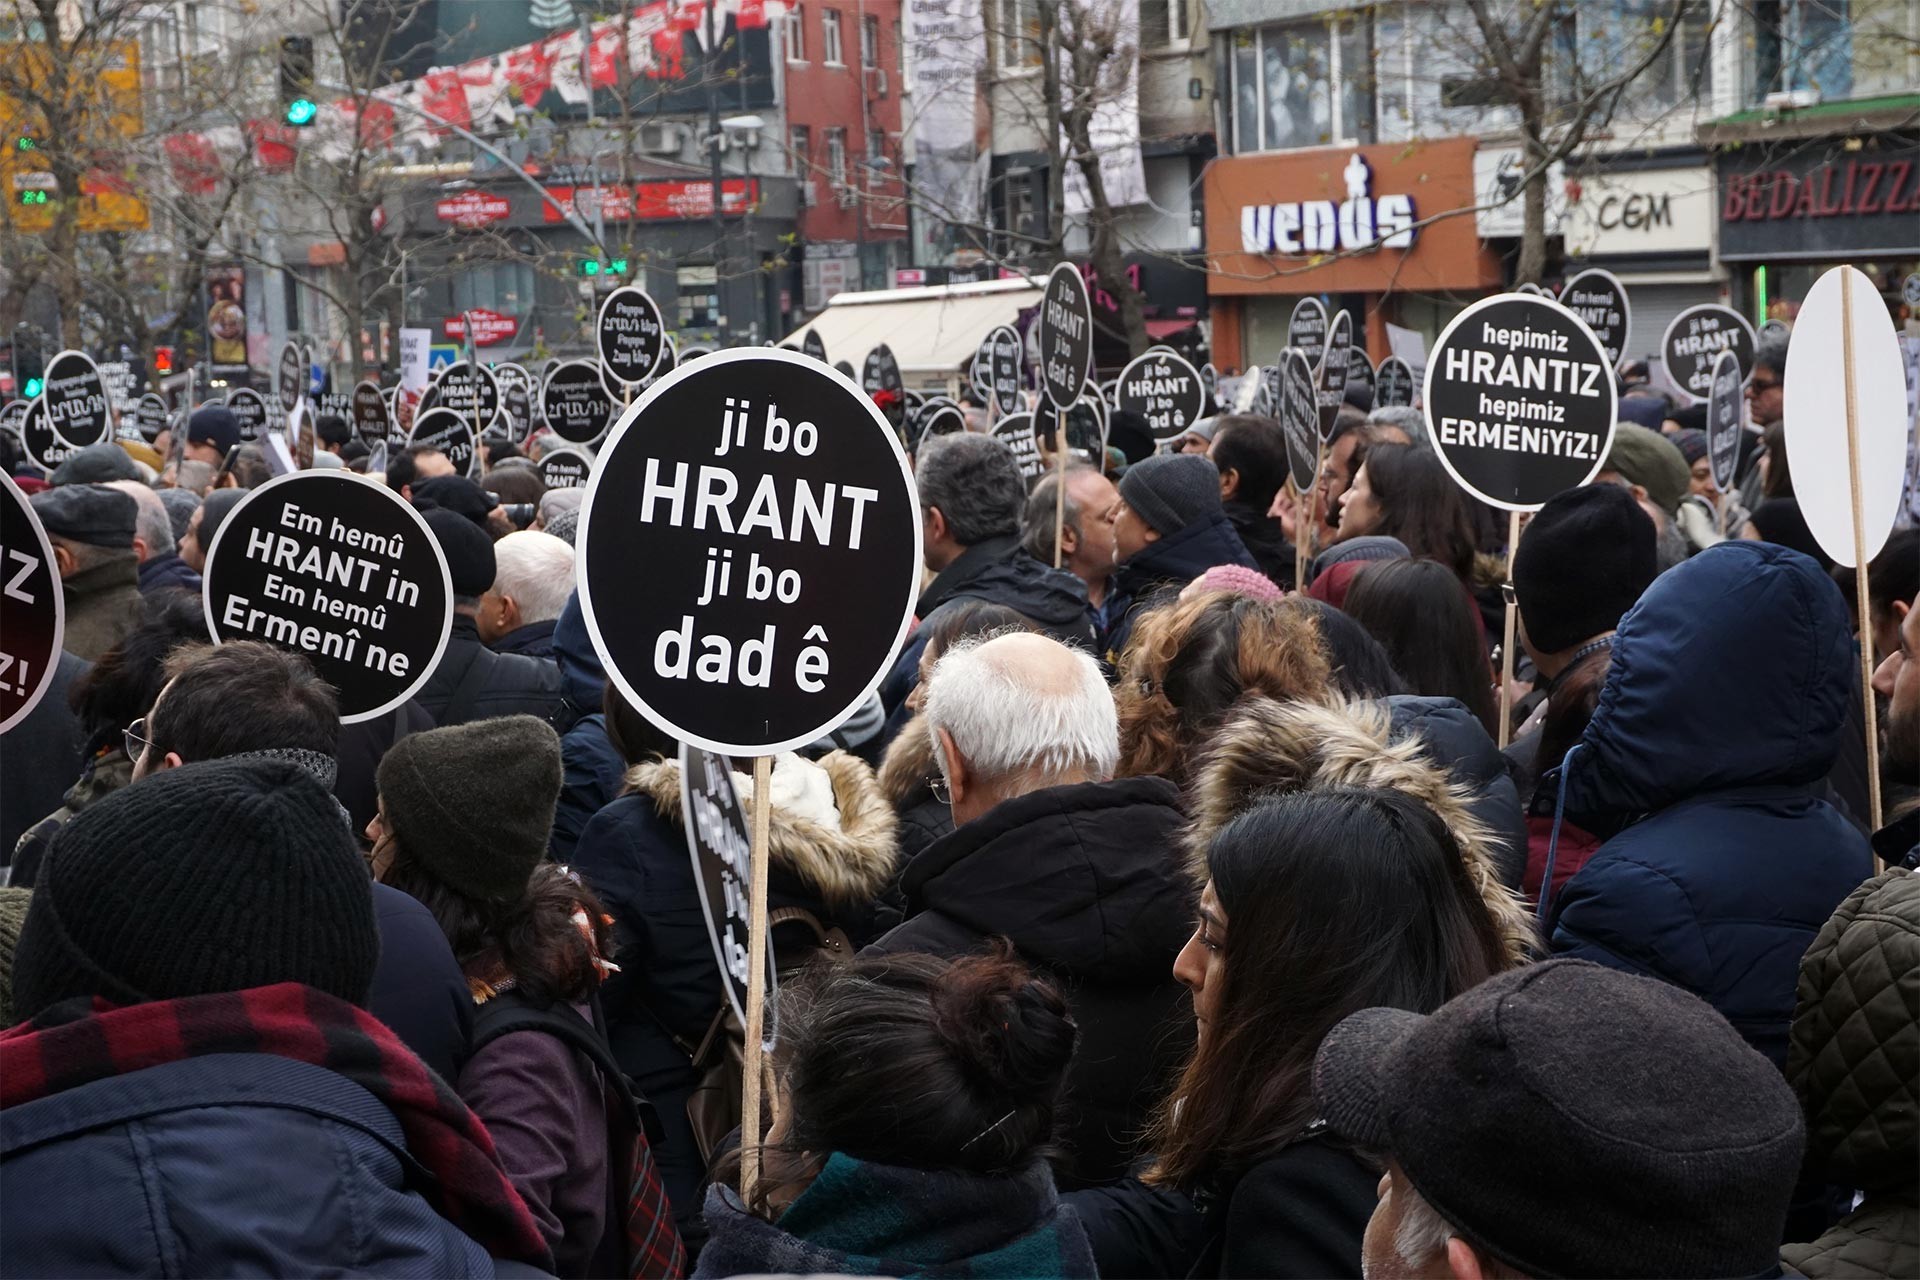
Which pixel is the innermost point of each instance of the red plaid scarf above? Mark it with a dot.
(59, 1052)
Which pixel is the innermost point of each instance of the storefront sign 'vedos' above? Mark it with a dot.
(1360, 223)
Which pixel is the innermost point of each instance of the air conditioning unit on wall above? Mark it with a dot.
(659, 139)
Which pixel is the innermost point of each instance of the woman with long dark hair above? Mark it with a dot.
(914, 1104)
(1401, 491)
(462, 826)
(1422, 616)
(1317, 903)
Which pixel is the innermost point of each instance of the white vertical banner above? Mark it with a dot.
(1111, 26)
(948, 52)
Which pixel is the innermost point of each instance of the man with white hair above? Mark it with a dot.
(153, 543)
(530, 587)
(1078, 870)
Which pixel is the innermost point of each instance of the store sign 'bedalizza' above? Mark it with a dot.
(1359, 223)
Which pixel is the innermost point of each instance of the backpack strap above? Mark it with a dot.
(511, 1011)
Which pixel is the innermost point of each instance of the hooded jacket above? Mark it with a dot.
(1854, 1059)
(1084, 880)
(590, 769)
(1701, 771)
(903, 779)
(1166, 564)
(831, 834)
(1269, 746)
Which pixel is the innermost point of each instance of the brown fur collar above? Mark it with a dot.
(908, 764)
(1267, 746)
(849, 866)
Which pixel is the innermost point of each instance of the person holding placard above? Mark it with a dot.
(1703, 771)
(1897, 679)
(831, 840)
(1086, 549)
(916, 1100)
(1401, 491)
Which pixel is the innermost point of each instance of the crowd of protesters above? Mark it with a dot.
(1166, 912)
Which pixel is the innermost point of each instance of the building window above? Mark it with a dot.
(837, 157)
(800, 143)
(1306, 84)
(899, 52)
(1017, 33)
(830, 51)
(1163, 24)
(876, 157)
(870, 42)
(699, 297)
(794, 30)
(1803, 47)
(506, 287)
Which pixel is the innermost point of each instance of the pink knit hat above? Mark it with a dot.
(1236, 578)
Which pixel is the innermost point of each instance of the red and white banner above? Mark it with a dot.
(489, 327)
(472, 209)
(654, 201)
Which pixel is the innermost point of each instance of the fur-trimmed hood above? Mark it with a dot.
(847, 854)
(1267, 746)
(908, 764)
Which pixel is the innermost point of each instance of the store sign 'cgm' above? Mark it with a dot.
(1358, 223)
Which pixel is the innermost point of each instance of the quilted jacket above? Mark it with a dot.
(1854, 1058)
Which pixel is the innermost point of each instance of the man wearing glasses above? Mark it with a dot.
(1766, 405)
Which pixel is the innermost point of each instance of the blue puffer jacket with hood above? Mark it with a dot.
(1702, 769)
(591, 769)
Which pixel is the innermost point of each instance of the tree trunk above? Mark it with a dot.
(1533, 205)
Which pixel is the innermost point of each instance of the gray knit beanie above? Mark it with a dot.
(1172, 490)
(473, 803)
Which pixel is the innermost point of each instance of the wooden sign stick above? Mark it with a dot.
(1060, 483)
(1860, 551)
(750, 1133)
(1507, 637)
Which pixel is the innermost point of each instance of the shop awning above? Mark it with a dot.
(933, 331)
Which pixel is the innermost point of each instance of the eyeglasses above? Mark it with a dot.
(137, 740)
(941, 788)
(1762, 384)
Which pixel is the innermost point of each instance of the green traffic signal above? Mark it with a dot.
(33, 197)
(301, 111)
(618, 266)
(33, 388)
(589, 266)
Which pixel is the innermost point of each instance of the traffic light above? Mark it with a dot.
(162, 361)
(29, 364)
(296, 81)
(595, 267)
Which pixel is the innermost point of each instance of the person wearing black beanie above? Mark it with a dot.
(207, 878)
(1582, 562)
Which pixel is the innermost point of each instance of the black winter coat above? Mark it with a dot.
(1085, 882)
(473, 682)
(1158, 570)
(1300, 1213)
(418, 988)
(1264, 541)
(998, 572)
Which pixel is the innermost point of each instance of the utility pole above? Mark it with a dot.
(713, 148)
